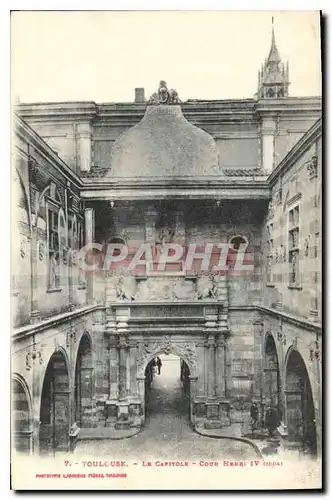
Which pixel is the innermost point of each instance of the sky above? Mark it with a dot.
(102, 56)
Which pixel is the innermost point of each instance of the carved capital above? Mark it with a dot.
(312, 166)
(314, 351)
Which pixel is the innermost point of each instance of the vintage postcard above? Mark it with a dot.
(166, 250)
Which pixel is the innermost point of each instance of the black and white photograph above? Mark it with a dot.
(166, 250)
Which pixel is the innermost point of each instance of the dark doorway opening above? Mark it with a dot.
(272, 383)
(84, 384)
(299, 405)
(55, 406)
(22, 425)
(167, 392)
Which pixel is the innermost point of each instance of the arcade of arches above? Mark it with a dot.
(68, 400)
(294, 405)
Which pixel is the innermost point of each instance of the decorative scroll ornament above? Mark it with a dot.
(206, 288)
(23, 247)
(70, 337)
(32, 356)
(312, 167)
(281, 335)
(41, 250)
(270, 213)
(306, 246)
(314, 351)
(164, 95)
(66, 256)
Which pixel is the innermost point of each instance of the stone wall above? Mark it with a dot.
(41, 185)
(295, 187)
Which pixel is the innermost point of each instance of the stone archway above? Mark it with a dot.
(186, 351)
(55, 406)
(272, 380)
(84, 386)
(300, 411)
(169, 390)
(22, 416)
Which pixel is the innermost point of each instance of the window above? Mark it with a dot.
(293, 246)
(53, 248)
(80, 244)
(269, 275)
(72, 233)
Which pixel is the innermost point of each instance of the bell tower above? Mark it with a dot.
(273, 80)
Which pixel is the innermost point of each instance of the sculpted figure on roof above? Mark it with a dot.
(164, 95)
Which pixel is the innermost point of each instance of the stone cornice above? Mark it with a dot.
(195, 110)
(291, 318)
(26, 133)
(288, 105)
(58, 110)
(208, 188)
(28, 330)
(306, 141)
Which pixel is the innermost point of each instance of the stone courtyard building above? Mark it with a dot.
(158, 171)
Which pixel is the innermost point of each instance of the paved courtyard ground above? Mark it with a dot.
(167, 434)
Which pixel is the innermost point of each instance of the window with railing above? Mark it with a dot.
(53, 248)
(294, 246)
(269, 264)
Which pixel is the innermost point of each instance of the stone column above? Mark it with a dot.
(84, 146)
(150, 218)
(268, 137)
(123, 354)
(211, 367)
(193, 388)
(61, 420)
(114, 363)
(315, 263)
(133, 371)
(88, 412)
(220, 367)
(89, 216)
(36, 396)
(34, 312)
(258, 358)
(141, 394)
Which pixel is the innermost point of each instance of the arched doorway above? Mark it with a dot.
(300, 412)
(21, 413)
(272, 384)
(55, 406)
(84, 384)
(167, 386)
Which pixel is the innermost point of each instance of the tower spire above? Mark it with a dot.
(274, 80)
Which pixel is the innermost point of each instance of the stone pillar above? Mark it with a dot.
(86, 395)
(114, 363)
(61, 420)
(268, 137)
(150, 218)
(220, 367)
(133, 371)
(34, 312)
(141, 394)
(258, 358)
(193, 388)
(211, 367)
(123, 354)
(84, 146)
(36, 372)
(89, 216)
